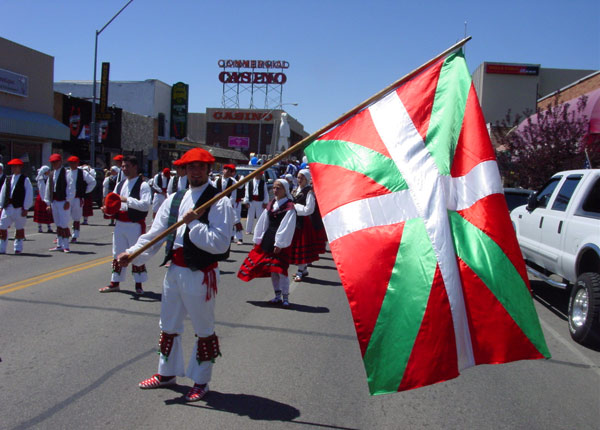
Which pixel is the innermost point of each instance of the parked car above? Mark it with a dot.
(516, 197)
(559, 235)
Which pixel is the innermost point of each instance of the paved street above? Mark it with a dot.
(72, 358)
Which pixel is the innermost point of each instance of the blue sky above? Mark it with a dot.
(340, 52)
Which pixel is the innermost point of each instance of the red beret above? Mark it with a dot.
(166, 171)
(73, 159)
(55, 157)
(15, 162)
(197, 154)
(112, 204)
(229, 166)
(118, 157)
(177, 163)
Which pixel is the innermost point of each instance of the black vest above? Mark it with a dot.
(194, 257)
(18, 195)
(229, 184)
(261, 190)
(275, 218)
(112, 183)
(300, 198)
(80, 185)
(60, 192)
(133, 214)
(315, 217)
(2, 179)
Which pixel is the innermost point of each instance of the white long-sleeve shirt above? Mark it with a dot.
(87, 178)
(309, 207)
(28, 201)
(70, 186)
(165, 183)
(106, 184)
(285, 232)
(143, 203)
(214, 237)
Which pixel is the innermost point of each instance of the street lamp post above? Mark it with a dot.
(94, 129)
(261, 119)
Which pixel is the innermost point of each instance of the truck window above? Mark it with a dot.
(566, 192)
(592, 201)
(545, 193)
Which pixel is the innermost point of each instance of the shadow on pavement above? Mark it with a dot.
(29, 254)
(323, 267)
(225, 272)
(247, 405)
(239, 251)
(148, 296)
(93, 243)
(554, 299)
(309, 280)
(293, 307)
(251, 406)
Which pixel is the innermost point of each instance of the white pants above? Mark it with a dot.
(60, 215)
(61, 219)
(11, 215)
(157, 202)
(76, 214)
(280, 283)
(185, 294)
(237, 207)
(125, 236)
(254, 211)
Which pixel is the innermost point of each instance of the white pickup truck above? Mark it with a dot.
(559, 234)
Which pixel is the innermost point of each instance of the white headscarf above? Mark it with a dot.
(42, 172)
(115, 169)
(306, 174)
(286, 187)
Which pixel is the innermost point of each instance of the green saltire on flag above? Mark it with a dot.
(412, 202)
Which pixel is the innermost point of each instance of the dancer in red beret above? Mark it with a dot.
(60, 192)
(16, 197)
(134, 196)
(84, 184)
(190, 284)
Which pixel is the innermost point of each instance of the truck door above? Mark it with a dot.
(553, 223)
(531, 223)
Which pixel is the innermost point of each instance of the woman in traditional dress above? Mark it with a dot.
(309, 239)
(272, 238)
(40, 214)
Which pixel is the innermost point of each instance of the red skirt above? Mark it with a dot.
(260, 264)
(307, 243)
(40, 214)
(87, 206)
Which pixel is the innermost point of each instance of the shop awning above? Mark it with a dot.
(32, 124)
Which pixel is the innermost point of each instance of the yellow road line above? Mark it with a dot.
(15, 286)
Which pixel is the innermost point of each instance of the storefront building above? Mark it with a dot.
(259, 131)
(28, 128)
(517, 87)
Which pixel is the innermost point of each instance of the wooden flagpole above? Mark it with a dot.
(304, 142)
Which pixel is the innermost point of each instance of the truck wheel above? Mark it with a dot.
(584, 309)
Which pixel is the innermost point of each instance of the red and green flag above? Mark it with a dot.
(413, 205)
